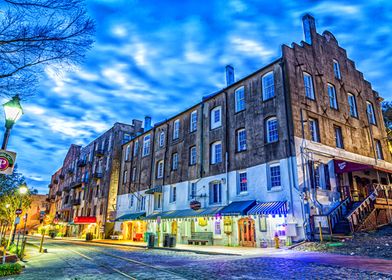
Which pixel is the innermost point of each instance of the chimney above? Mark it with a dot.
(147, 123)
(229, 75)
(309, 28)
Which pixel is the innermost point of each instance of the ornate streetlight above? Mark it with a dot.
(13, 111)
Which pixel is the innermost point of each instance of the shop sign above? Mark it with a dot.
(84, 220)
(195, 205)
(7, 162)
(102, 229)
(159, 219)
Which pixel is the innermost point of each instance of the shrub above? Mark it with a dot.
(10, 269)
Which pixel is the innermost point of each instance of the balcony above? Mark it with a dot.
(76, 184)
(67, 188)
(75, 201)
(58, 193)
(62, 176)
(70, 171)
(97, 175)
(99, 152)
(55, 181)
(82, 162)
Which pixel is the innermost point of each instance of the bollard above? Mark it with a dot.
(276, 238)
(17, 244)
(41, 243)
(4, 253)
(320, 232)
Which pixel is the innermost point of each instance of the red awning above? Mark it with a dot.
(343, 166)
(84, 220)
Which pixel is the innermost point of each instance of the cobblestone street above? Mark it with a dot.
(65, 260)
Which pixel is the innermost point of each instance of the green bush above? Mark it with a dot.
(10, 269)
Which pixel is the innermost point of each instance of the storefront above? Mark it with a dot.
(86, 225)
(132, 227)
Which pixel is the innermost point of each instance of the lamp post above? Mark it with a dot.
(22, 190)
(13, 111)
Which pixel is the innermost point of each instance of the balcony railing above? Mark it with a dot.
(70, 171)
(62, 176)
(99, 152)
(75, 201)
(58, 193)
(98, 175)
(82, 162)
(67, 188)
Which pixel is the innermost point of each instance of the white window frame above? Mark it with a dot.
(308, 86)
(352, 103)
(314, 130)
(333, 99)
(193, 121)
(271, 137)
(176, 129)
(239, 96)
(338, 137)
(242, 187)
(135, 148)
(192, 155)
(336, 69)
(125, 175)
(173, 194)
(379, 152)
(370, 113)
(142, 203)
(160, 168)
(215, 123)
(216, 155)
(192, 190)
(146, 145)
(174, 161)
(270, 179)
(134, 174)
(127, 152)
(219, 192)
(268, 89)
(241, 140)
(161, 139)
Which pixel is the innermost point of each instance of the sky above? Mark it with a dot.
(160, 57)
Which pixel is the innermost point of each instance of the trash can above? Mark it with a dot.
(172, 242)
(166, 240)
(151, 240)
(89, 236)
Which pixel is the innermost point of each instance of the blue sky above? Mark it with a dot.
(159, 57)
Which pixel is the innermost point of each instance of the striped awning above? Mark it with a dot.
(269, 208)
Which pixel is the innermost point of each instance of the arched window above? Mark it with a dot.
(268, 85)
(308, 84)
(161, 139)
(239, 99)
(272, 134)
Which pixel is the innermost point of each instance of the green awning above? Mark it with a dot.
(186, 213)
(130, 217)
(157, 189)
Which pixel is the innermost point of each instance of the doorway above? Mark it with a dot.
(246, 231)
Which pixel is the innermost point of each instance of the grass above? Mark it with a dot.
(10, 269)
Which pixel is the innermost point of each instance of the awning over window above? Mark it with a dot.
(344, 166)
(185, 213)
(157, 189)
(269, 208)
(238, 208)
(130, 217)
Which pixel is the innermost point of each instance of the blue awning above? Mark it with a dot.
(211, 211)
(237, 208)
(130, 217)
(269, 208)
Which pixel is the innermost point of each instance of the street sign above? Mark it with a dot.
(7, 162)
(17, 221)
(18, 211)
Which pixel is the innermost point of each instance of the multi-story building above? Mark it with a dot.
(268, 155)
(88, 182)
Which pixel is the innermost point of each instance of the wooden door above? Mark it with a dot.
(246, 231)
(129, 231)
(174, 228)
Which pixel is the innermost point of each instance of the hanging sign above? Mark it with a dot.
(7, 162)
(195, 205)
(18, 211)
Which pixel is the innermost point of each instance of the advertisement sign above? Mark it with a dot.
(7, 162)
(195, 205)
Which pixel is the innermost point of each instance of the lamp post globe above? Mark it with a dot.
(23, 189)
(13, 111)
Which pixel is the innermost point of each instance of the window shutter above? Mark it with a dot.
(210, 194)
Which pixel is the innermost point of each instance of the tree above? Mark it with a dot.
(35, 34)
(386, 107)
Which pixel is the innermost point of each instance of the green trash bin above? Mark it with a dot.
(151, 240)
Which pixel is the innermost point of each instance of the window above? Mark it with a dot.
(274, 177)
(134, 174)
(192, 191)
(127, 152)
(240, 99)
(370, 113)
(216, 152)
(161, 139)
(215, 192)
(158, 200)
(193, 122)
(125, 176)
(146, 145)
(338, 137)
(132, 200)
(241, 140)
(175, 161)
(135, 148)
(176, 129)
(379, 149)
(173, 194)
(336, 69)
(314, 130)
(268, 85)
(160, 169)
(216, 117)
(308, 83)
(272, 130)
(143, 203)
(192, 155)
(107, 163)
(353, 105)
(126, 138)
(242, 182)
(333, 102)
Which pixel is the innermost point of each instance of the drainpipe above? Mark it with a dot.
(201, 139)
(227, 154)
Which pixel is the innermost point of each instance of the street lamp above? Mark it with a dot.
(22, 190)
(13, 111)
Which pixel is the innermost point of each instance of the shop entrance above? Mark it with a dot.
(174, 228)
(246, 231)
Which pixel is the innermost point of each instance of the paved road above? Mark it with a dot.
(76, 260)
